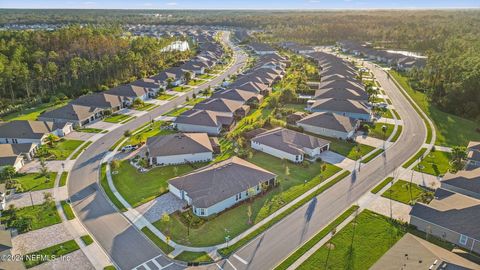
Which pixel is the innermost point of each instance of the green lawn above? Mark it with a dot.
(90, 130)
(67, 209)
(180, 88)
(32, 113)
(165, 97)
(418, 155)
(194, 101)
(407, 193)
(315, 239)
(196, 82)
(397, 134)
(387, 114)
(177, 111)
(63, 179)
(41, 216)
(396, 114)
(348, 149)
(379, 187)
(435, 163)
(108, 191)
(357, 246)
(159, 242)
(375, 130)
(296, 107)
(61, 150)
(373, 155)
(146, 107)
(87, 144)
(35, 181)
(205, 76)
(151, 131)
(292, 184)
(116, 118)
(138, 188)
(50, 253)
(87, 239)
(190, 256)
(451, 130)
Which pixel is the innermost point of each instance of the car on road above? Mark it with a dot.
(127, 148)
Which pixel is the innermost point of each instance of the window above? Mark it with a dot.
(463, 239)
(258, 187)
(202, 211)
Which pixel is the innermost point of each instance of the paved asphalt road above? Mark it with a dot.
(125, 245)
(271, 247)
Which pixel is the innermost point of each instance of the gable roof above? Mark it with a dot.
(99, 100)
(347, 93)
(236, 94)
(204, 118)
(128, 90)
(178, 144)
(217, 182)
(330, 120)
(289, 141)
(72, 112)
(27, 129)
(340, 105)
(473, 145)
(219, 105)
(15, 149)
(464, 179)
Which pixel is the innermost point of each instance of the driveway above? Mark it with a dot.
(26, 198)
(374, 142)
(154, 209)
(338, 160)
(75, 260)
(103, 125)
(52, 165)
(39, 239)
(83, 136)
(399, 211)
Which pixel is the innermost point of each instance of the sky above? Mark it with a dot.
(239, 4)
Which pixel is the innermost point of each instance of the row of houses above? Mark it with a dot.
(454, 213)
(394, 59)
(20, 139)
(224, 108)
(89, 108)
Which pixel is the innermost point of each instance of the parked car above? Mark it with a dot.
(129, 148)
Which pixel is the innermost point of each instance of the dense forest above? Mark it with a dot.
(75, 60)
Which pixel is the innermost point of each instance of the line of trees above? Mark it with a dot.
(75, 60)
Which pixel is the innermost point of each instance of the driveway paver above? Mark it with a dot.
(52, 165)
(39, 239)
(154, 209)
(83, 136)
(75, 260)
(25, 199)
(400, 211)
(338, 160)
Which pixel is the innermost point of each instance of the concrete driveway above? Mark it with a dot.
(83, 136)
(338, 160)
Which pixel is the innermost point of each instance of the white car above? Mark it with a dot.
(128, 148)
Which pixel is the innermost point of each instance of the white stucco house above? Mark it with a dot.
(350, 108)
(219, 186)
(204, 121)
(330, 125)
(179, 148)
(289, 144)
(29, 131)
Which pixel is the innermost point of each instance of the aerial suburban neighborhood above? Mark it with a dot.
(239, 135)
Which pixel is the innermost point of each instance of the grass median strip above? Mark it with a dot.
(159, 242)
(372, 156)
(315, 239)
(227, 251)
(396, 114)
(79, 151)
(397, 133)
(50, 253)
(382, 185)
(108, 191)
(67, 209)
(90, 130)
(87, 239)
(194, 257)
(417, 156)
(63, 179)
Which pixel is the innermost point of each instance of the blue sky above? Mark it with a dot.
(239, 4)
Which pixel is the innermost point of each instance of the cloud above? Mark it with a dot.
(89, 3)
(171, 3)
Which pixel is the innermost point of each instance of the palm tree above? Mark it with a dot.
(51, 139)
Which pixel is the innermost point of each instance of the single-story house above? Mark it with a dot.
(294, 117)
(232, 107)
(473, 155)
(15, 154)
(466, 182)
(261, 48)
(330, 124)
(101, 100)
(239, 95)
(30, 131)
(450, 216)
(78, 115)
(347, 93)
(350, 108)
(130, 92)
(214, 188)
(179, 148)
(289, 144)
(210, 122)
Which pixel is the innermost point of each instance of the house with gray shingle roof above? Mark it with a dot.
(212, 189)
(179, 148)
(78, 115)
(15, 154)
(473, 155)
(239, 95)
(30, 131)
(329, 124)
(210, 122)
(350, 108)
(289, 144)
(232, 107)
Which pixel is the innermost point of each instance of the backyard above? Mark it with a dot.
(32, 113)
(138, 188)
(451, 130)
(294, 180)
(435, 163)
(60, 150)
(357, 246)
(35, 181)
(407, 193)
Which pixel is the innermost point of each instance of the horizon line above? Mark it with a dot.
(254, 9)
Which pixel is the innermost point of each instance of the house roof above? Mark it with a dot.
(212, 184)
(204, 118)
(10, 160)
(179, 144)
(453, 211)
(289, 141)
(219, 105)
(99, 100)
(340, 105)
(146, 82)
(15, 149)
(473, 145)
(28, 129)
(330, 120)
(72, 112)
(347, 93)
(128, 90)
(473, 155)
(236, 94)
(412, 253)
(464, 179)
(261, 47)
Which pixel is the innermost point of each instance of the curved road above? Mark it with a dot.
(271, 247)
(120, 239)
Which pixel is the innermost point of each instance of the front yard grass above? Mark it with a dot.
(348, 149)
(90, 130)
(165, 97)
(107, 190)
(138, 188)
(194, 101)
(180, 88)
(435, 163)
(46, 254)
(84, 146)
(87, 239)
(292, 184)
(375, 130)
(63, 179)
(177, 111)
(67, 209)
(296, 107)
(380, 186)
(357, 246)
(35, 181)
(407, 193)
(451, 130)
(418, 155)
(190, 256)
(60, 150)
(376, 153)
(397, 134)
(157, 241)
(153, 130)
(146, 107)
(386, 113)
(116, 118)
(38, 216)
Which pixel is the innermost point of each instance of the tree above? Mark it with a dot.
(138, 103)
(47, 197)
(127, 133)
(43, 167)
(165, 220)
(458, 157)
(51, 139)
(115, 164)
(188, 76)
(8, 172)
(249, 214)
